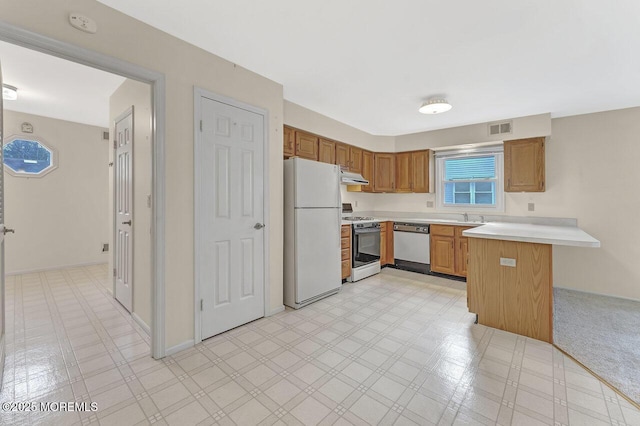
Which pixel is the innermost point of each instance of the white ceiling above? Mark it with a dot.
(57, 88)
(371, 63)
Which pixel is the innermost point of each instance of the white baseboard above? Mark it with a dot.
(275, 311)
(53, 268)
(595, 294)
(179, 347)
(141, 323)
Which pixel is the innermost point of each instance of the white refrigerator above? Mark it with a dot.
(312, 218)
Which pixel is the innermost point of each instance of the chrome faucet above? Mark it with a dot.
(466, 217)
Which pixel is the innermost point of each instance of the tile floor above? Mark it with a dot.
(397, 348)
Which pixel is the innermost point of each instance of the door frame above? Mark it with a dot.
(198, 94)
(34, 41)
(129, 110)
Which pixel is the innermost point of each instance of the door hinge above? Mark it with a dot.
(200, 125)
(201, 304)
(114, 272)
(115, 144)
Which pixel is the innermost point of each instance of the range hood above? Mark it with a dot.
(349, 178)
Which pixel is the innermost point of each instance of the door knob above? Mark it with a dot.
(127, 222)
(7, 230)
(259, 226)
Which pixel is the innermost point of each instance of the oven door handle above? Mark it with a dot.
(367, 231)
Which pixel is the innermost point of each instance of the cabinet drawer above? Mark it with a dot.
(346, 268)
(346, 252)
(345, 243)
(444, 230)
(345, 231)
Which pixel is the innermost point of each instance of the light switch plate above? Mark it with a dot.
(430, 204)
(532, 207)
(507, 261)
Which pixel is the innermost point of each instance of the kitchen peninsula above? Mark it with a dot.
(510, 279)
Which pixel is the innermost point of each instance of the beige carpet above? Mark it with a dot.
(603, 333)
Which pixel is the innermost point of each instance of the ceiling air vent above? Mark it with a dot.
(500, 128)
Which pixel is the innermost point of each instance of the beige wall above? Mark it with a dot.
(184, 67)
(138, 95)
(591, 174)
(61, 218)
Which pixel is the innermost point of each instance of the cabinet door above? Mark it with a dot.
(355, 159)
(403, 172)
(390, 259)
(420, 171)
(289, 142)
(367, 170)
(327, 151)
(461, 251)
(524, 168)
(383, 248)
(342, 156)
(384, 169)
(442, 254)
(306, 145)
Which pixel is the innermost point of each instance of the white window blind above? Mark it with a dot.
(470, 180)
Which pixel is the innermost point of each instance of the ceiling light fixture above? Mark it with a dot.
(9, 93)
(435, 106)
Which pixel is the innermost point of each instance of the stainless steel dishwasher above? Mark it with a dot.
(411, 247)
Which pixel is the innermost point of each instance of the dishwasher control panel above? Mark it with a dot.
(418, 228)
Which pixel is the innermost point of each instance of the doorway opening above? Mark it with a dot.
(155, 197)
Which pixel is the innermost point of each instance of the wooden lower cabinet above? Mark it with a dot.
(449, 250)
(386, 244)
(516, 298)
(345, 243)
(443, 254)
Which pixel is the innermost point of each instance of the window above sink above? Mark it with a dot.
(470, 180)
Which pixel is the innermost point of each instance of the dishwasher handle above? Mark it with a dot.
(418, 228)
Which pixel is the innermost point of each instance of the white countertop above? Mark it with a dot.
(529, 233)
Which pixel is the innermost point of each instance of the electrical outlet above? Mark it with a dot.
(430, 204)
(532, 207)
(105, 247)
(355, 204)
(506, 261)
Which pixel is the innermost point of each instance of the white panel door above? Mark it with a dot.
(123, 176)
(3, 231)
(229, 234)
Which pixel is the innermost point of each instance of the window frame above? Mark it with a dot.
(497, 153)
(31, 138)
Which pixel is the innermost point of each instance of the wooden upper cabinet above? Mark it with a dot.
(327, 151)
(355, 159)
(403, 172)
(342, 156)
(524, 165)
(289, 146)
(367, 170)
(384, 168)
(420, 171)
(306, 145)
